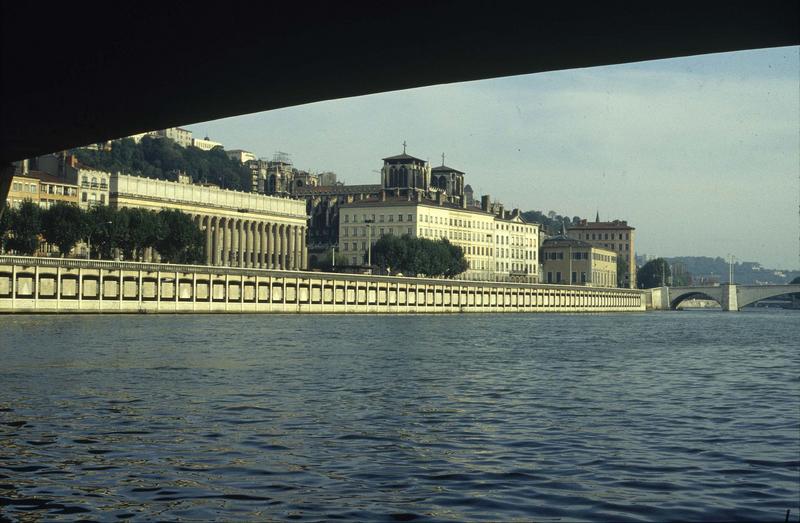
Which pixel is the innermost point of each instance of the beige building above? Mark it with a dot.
(241, 229)
(53, 189)
(182, 137)
(240, 155)
(23, 187)
(616, 236)
(498, 247)
(93, 184)
(205, 144)
(568, 261)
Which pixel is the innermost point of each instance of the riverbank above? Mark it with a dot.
(48, 285)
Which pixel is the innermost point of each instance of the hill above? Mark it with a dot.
(160, 158)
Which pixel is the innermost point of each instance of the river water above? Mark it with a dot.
(691, 416)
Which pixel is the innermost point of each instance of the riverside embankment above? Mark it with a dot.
(52, 285)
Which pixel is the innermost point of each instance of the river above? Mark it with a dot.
(691, 416)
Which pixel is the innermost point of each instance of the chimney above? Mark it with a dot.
(383, 196)
(439, 198)
(501, 211)
(463, 202)
(485, 199)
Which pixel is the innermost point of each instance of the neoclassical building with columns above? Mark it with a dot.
(241, 229)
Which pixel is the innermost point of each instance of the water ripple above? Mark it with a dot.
(651, 417)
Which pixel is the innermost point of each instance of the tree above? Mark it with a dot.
(105, 231)
(5, 223)
(390, 252)
(63, 225)
(144, 229)
(419, 256)
(181, 240)
(25, 225)
(622, 270)
(654, 273)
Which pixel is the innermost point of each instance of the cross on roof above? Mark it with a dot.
(404, 147)
(442, 159)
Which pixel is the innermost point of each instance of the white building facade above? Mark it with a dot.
(241, 229)
(497, 247)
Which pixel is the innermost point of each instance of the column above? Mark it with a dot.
(264, 246)
(292, 259)
(282, 254)
(235, 244)
(251, 245)
(298, 247)
(243, 243)
(215, 237)
(257, 244)
(226, 242)
(209, 243)
(271, 246)
(304, 250)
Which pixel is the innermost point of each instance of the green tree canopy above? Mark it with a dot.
(25, 225)
(181, 240)
(144, 229)
(106, 230)
(159, 158)
(419, 256)
(654, 273)
(63, 225)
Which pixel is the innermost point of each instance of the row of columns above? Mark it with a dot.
(237, 242)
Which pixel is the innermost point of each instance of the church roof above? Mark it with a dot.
(445, 168)
(404, 156)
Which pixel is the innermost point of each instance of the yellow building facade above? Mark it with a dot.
(568, 261)
(497, 247)
(616, 236)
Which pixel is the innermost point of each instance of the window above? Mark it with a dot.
(400, 218)
(84, 197)
(346, 218)
(574, 277)
(558, 276)
(103, 199)
(380, 218)
(391, 218)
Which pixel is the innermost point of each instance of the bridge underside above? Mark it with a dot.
(174, 66)
(676, 302)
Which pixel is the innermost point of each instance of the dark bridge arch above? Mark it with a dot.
(674, 302)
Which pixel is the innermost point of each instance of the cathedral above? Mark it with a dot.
(404, 175)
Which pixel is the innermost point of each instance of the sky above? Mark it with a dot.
(700, 154)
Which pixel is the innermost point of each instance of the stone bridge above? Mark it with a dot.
(731, 297)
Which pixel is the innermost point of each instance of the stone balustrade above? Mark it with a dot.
(69, 285)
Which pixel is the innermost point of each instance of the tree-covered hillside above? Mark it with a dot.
(160, 158)
(551, 222)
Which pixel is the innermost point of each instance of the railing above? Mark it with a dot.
(76, 263)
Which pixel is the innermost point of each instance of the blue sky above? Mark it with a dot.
(700, 154)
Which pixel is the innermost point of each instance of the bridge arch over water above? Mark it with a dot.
(675, 302)
(731, 297)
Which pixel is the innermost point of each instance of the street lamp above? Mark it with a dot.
(731, 259)
(89, 241)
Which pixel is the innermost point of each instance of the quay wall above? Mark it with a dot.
(50, 285)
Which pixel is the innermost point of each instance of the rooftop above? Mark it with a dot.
(444, 168)
(337, 189)
(403, 157)
(616, 224)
